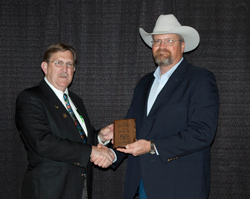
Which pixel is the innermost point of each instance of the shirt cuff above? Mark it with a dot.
(103, 143)
(114, 154)
(156, 151)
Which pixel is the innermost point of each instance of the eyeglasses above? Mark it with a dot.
(167, 42)
(60, 64)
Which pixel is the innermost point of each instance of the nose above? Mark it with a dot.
(162, 44)
(64, 67)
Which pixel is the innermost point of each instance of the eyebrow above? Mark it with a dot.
(63, 61)
(163, 38)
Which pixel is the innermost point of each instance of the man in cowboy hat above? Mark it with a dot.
(176, 112)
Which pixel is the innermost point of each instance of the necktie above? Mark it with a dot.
(77, 124)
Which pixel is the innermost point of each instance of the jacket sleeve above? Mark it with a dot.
(197, 120)
(42, 137)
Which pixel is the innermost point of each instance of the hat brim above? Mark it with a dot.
(189, 34)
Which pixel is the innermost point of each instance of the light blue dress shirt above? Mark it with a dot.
(159, 83)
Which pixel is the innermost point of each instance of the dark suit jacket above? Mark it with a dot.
(57, 158)
(182, 122)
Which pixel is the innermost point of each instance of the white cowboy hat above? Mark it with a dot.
(168, 24)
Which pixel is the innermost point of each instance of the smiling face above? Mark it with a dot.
(59, 77)
(167, 56)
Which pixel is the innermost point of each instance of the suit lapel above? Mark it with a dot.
(53, 101)
(145, 94)
(57, 108)
(169, 87)
(163, 97)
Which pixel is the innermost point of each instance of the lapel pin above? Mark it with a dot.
(64, 115)
(56, 106)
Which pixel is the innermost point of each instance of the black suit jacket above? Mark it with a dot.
(57, 158)
(182, 122)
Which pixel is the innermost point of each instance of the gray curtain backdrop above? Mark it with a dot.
(111, 60)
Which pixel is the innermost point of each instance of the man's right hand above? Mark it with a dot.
(102, 156)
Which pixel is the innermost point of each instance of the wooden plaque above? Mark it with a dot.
(124, 132)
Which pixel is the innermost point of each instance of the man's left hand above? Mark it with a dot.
(139, 147)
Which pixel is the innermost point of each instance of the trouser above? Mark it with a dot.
(142, 194)
(84, 192)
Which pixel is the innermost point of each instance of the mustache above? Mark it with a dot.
(63, 74)
(162, 50)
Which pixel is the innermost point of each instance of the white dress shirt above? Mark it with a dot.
(59, 94)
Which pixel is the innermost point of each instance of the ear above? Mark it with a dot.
(44, 67)
(182, 47)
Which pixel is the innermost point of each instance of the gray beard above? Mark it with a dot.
(164, 62)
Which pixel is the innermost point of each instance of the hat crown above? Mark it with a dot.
(166, 23)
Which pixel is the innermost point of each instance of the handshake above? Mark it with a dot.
(104, 157)
(101, 155)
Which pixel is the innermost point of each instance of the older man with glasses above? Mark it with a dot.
(57, 133)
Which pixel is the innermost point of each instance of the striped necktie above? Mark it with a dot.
(77, 124)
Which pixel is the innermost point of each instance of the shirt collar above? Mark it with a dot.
(58, 93)
(166, 75)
